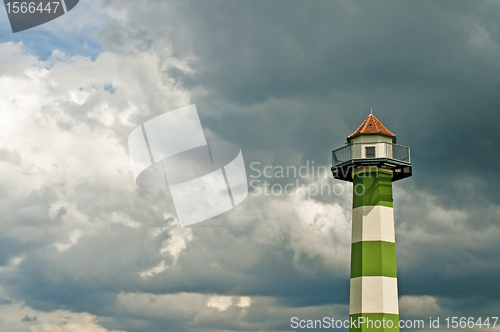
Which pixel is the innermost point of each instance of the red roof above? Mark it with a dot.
(371, 125)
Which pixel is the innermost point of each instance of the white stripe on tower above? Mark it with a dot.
(373, 223)
(374, 295)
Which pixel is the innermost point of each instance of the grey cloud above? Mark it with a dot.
(5, 301)
(28, 319)
(287, 81)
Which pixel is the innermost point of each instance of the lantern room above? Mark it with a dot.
(372, 144)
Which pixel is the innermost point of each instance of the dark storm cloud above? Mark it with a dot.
(8, 248)
(296, 77)
(315, 68)
(29, 319)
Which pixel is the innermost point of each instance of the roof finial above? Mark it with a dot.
(371, 111)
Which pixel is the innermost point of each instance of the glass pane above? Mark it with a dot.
(370, 152)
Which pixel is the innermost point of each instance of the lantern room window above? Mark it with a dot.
(370, 152)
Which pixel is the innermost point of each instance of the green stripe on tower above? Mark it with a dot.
(373, 258)
(372, 188)
(370, 320)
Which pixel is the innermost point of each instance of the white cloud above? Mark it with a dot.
(73, 239)
(178, 241)
(64, 164)
(66, 132)
(315, 229)
(322, 230)
(244, 302)
(171, 248)
(154, 270)
(220, 302)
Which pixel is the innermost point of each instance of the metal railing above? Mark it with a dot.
(382, 150)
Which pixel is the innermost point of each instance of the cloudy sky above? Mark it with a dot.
(83, 249)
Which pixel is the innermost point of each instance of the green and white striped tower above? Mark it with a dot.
(372, 161)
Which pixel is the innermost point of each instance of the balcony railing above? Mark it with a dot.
(382, 150)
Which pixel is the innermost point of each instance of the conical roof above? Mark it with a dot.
(371, 125)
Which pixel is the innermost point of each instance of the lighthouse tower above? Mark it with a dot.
(372, 161)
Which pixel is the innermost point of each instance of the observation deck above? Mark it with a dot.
(380, 154)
